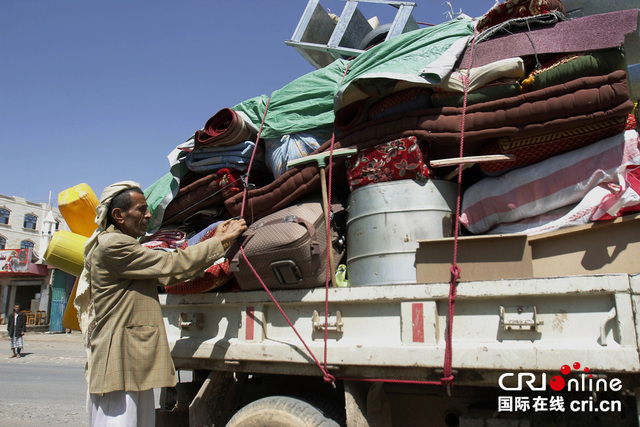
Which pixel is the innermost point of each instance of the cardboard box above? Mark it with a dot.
(597, 248)
(490, 257)
(601, 247)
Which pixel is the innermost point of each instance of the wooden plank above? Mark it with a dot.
(455, 161)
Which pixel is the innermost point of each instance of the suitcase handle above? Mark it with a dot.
(286, 272)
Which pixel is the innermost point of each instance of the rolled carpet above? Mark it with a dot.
(225, 128)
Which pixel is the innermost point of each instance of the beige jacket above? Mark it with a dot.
(129, 349)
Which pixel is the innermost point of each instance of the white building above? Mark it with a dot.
(25, 231)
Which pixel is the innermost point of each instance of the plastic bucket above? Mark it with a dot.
(78, 207)
(385, 222)
(66, 252)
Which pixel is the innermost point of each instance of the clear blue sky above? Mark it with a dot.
(102, 91)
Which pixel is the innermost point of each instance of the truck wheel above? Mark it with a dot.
(280, 411)
(375, 36)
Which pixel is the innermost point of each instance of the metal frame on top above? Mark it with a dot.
(320, 40)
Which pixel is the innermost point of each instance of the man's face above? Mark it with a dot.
(16, 308)
(134, 221)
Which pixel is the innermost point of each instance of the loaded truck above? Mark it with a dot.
(528, 330)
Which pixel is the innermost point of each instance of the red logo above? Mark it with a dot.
(557, 382)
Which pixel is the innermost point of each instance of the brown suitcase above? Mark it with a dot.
(287, 249)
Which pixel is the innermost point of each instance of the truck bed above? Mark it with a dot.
(398, 332)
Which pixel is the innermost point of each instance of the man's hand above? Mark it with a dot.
(229, 230)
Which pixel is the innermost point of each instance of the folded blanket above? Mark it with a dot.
(206, 191)
(498, 89)
(226, 127)
(589, 33)
(237, 156)
(564, 68)
(287, 188)
(605, 201)
(576, 103)
(190, 198)
(480, 76)
(416, 98)
(572, 104)
(551, 184)
(493, 81)
(535, 148)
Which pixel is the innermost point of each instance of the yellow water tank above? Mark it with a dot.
(78, 207)
(66, 252)
(70, 316)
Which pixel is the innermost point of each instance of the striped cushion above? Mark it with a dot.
(551, 184)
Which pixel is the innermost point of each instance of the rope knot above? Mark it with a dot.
(328, 378)
(455, 273)
(244, 179)
(448, 383)
(448, 380)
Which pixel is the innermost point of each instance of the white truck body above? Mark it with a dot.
(532, 326)
(583, 318)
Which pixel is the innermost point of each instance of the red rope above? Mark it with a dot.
(329, 240)
(447, 379)
(253, 153)
(327, 376)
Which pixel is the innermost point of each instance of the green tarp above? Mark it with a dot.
(161, 193)
(308, 102)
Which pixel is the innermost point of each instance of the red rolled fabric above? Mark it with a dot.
(226, 127)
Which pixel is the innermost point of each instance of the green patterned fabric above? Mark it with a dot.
(574, 67)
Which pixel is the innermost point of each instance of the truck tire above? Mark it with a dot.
(375, 36)
(280, 411)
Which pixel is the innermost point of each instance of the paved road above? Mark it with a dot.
(47, 385)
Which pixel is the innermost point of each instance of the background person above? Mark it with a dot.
(17, 327)
(119, 312)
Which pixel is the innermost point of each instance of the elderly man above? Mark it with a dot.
(119, 312)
